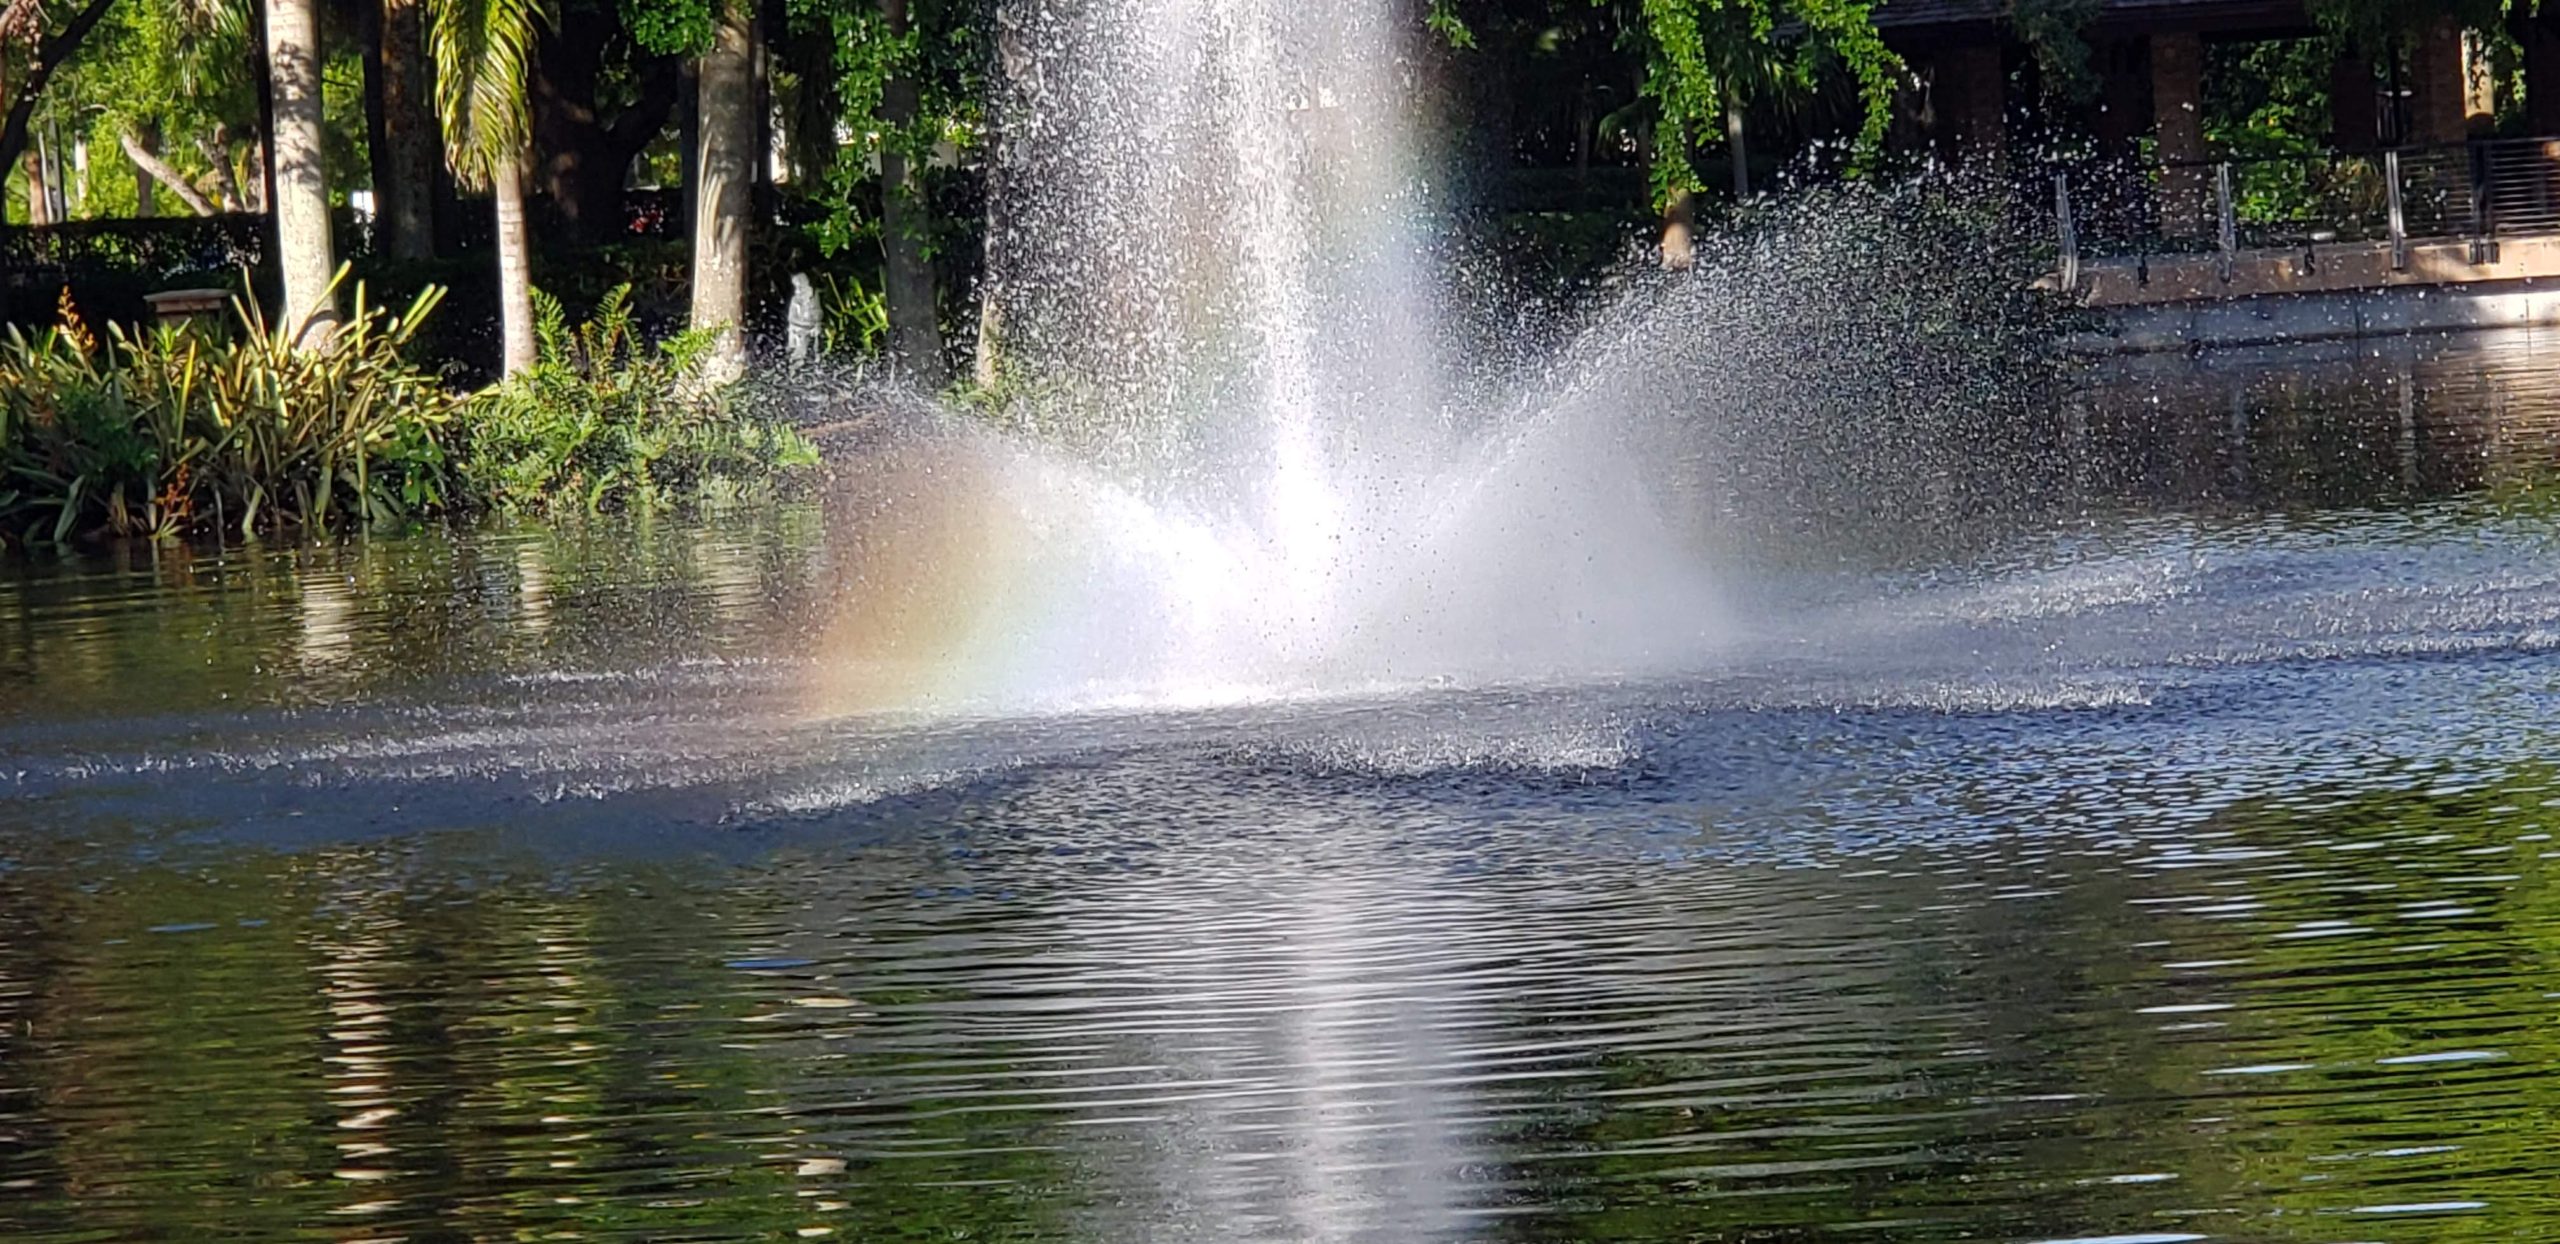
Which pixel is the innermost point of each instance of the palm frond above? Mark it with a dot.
(483, 50)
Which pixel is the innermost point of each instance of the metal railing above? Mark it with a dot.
(2475, 192)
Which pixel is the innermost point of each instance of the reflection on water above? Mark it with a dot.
(2323, 425)
(2299, 1010)
(2177, 868)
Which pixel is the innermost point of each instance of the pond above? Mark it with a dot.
(2175, 863)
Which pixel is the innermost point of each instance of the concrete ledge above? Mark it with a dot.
(2268, 319)
(2331, 267)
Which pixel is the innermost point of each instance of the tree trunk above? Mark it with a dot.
(48, 56)
(760, 96)
(217, 158)
(49, 158)
(148, 167)
(70, 179)
(146, 200)
(1679, 224)
(300, 200)
(39, 196)
(986, 365)
(401, 124)
(258, 175)
(815, 107)
(720, 208)
(688, 139)
(581, 158)
(258, 189)
(377, 145)
(515, 284)
(1735, 149)
(915, 328)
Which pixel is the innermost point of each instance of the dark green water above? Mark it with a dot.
(2176, 865)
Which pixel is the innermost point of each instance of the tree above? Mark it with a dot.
(158, 80)
(915, 320)
(37, 52)
(1695, 65)
(155, 169)
(911, 77)
(598, 99)
(721, 202)
(482, 51)
(299, 172)
(399, 115)
(2373, 24)
(1704, 58)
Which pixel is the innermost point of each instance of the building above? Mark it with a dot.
(2149, 58)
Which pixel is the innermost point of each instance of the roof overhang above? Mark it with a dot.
(1920, 24)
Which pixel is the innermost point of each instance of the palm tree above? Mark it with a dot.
(725, 166)
(301, 203)
(482, 51)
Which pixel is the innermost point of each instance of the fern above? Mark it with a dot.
(600, 421)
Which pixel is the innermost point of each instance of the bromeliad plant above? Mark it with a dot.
(602, 420)
(171, 431)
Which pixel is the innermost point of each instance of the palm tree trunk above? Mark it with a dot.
(300, 203)
(725, 163)
(515, 285)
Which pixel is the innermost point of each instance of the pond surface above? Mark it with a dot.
(2177, 865)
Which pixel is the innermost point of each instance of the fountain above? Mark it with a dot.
(1265, 476)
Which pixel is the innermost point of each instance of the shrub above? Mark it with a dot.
(602, 420)
(170, 430)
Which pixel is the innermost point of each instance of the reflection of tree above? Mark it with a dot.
(391, 1048)
(2456, 957)
(159, 628)
(2017, 1061)
(1938, 1044)
(153, 1045)
(1950, 1079)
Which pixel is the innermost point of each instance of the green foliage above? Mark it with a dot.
(2052, 31)
(187, 69)
(2373, 24)
(185, 431)
(856, 317)
(2268, 98)
(942, 54)
(2267, 108)
(671, 27)
(1443, 20)
(602, 420)
(1704, 56)
(175, 431)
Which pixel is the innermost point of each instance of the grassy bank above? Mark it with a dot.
(170, 432)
